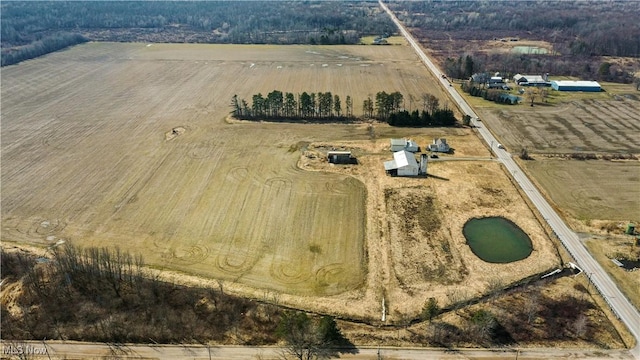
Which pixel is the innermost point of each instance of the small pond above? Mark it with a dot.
(497, 240)
(529, 50)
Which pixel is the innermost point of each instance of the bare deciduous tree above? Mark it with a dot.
(531, 305)
(580, 325)
(532, 94)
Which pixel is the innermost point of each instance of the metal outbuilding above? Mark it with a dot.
(531, 80)
(340, 157)
(571, 85)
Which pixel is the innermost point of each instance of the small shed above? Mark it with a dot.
(570, 85)
(340, 157)
(439, 145)
(403, 164)
(404, 144)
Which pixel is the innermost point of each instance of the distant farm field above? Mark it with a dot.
(605, 124)
(89, 156)
(591, 190)
(608, 124)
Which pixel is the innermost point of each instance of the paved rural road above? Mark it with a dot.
(601, 280)
(77, 350)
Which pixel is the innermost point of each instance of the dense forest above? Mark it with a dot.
(576, 27)
(257, 22)
(582, 35)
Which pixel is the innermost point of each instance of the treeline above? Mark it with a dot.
(462, 68)
(40, 47)
(104, 295)
(239, 22)
(495, 95)
(325, 106)
(99, 294)
(416, 118)
(581, 34)
(390, 108)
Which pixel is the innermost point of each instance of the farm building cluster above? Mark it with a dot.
(404, 161)
(498, 82)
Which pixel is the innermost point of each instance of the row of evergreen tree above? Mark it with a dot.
(325, 106)
(417, 118)
(283, 106)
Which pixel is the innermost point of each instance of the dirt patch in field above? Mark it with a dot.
(176, 131)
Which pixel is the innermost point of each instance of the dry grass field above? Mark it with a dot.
(129, 145)
(605, 190)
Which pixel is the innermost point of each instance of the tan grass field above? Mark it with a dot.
(89, 156)
(599, 190)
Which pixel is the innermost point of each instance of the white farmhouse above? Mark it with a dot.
(403, 164)
(439, 145)
(404, 144)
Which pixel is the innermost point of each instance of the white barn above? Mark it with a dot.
(439, 145)
(404, 144)
(403, 164)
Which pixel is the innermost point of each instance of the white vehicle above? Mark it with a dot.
(500, 146)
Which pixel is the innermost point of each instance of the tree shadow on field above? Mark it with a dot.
(338, 345)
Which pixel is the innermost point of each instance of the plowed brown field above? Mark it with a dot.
(86, 158)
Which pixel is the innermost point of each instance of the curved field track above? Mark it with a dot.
(90, 155)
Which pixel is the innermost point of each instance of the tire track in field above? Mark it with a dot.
(627, 118)
(601, 118)
(36, 228)
(577, 133)
(624, 121)
(248, 244)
